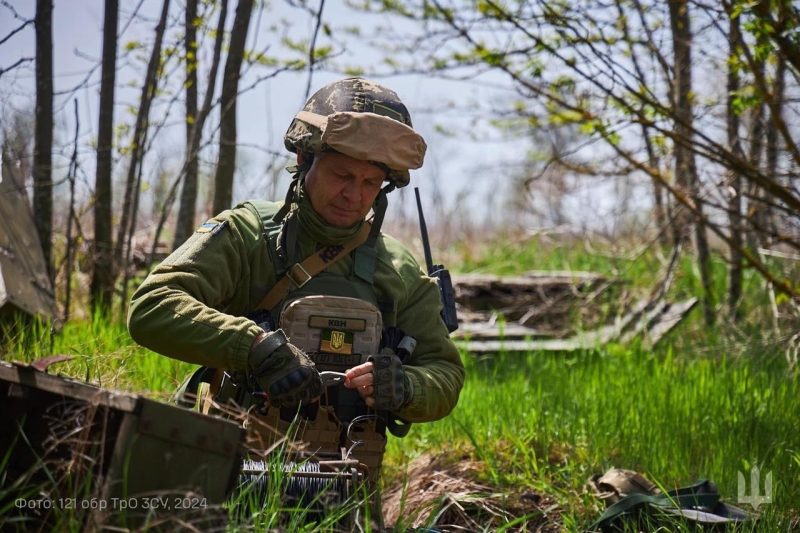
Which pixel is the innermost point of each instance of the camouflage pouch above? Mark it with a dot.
(336, 332)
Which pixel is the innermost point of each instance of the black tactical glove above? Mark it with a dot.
(391, 388)
(283, 371)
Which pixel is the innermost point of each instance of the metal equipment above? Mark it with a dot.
(78, 454)
(321, 483)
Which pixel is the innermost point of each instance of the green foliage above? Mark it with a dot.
(251, 57)
(491, 57)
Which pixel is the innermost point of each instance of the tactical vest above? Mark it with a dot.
(337, 320)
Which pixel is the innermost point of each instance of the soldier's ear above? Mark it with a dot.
(300, 158)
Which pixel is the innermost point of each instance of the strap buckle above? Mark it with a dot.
(290, 276)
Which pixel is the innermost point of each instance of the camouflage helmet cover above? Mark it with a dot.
(352, 96)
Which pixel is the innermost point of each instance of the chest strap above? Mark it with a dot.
(300, 273)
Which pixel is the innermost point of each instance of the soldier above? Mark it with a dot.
(275, 293)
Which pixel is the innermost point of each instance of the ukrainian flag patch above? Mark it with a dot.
(333, 341)
(211, 227)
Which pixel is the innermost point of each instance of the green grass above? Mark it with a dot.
(703, 404)
(548, 421)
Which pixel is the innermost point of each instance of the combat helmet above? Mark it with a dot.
(362, 119)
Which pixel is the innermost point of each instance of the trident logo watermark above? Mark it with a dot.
(755, 498)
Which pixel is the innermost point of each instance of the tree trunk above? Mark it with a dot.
(659, 212)
(755, 192)
(774, 143)
(185, 223)
(198, 129)
(223, 181)
(128, 218)
(735, 203)
(102, 285)
(43, 141)
(69, 256)
(685, 167)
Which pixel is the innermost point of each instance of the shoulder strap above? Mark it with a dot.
(299, 273)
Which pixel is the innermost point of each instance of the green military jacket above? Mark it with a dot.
(193, 305)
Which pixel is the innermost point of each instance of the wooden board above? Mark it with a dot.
(651, 320)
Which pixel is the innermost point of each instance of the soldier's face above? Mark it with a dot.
(342, 189)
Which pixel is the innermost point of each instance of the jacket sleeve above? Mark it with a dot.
(190, 307)
(435, 368)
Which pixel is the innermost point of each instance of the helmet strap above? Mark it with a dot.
(379, 209)
(366, 255)
(299, 173)
(286, 215)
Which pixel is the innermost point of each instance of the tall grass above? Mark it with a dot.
(546, 422)
(704, 404)
(102, 353)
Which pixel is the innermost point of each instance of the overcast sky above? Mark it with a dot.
(468, 167)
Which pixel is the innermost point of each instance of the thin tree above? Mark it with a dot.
(24, 24)
(226, 166)
(138, 142)
(685, 166)
(194, 150)
(43, 139)
(70, 255)
(194, 126)
(735, 178)
(774, 138)
(185, 222)
(757, 135)
(102, 285)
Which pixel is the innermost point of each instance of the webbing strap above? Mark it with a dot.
(300, 273)
(682, 498)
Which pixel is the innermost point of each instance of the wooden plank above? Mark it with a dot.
(67, 387)
(530, 282)
(485, 331)
(668, 320)
(565, 274)
(653, 319)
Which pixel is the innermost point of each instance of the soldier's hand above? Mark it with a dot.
(283, 371)
(381, 381)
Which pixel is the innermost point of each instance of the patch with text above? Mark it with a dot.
(333, 322)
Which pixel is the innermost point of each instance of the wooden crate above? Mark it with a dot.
(74, 453)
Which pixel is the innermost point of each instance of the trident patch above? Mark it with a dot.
(335, 341)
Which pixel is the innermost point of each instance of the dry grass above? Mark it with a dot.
(443, 491)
